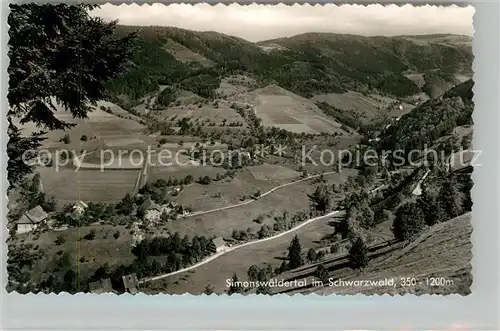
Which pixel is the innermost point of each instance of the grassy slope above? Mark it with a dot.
(442, 251)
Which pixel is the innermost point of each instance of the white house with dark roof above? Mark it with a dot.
(79, 207)
(31, 219)
(101, 286)
(153, 210)
(131, 283)
(220, 244)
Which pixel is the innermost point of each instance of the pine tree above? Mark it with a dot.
(16, 147)
(322, 274)
(449, 199)
(467, 198)
(253, 273)
(235, 288)
(409, 221)
(429, 207)
(263, 289)
(358, 254)
(208, 289)
(295, 254)
(320, 199)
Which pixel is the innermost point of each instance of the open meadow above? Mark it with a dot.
(218, 113)
(87, 254)
(238, 261)
(291, 199)
(368, 107)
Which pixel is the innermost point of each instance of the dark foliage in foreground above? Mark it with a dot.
(58, 54)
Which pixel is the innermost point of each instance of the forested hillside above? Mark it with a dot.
(431, 120)
(307, 64)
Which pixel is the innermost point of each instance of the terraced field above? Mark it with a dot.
(283, 109)
(68, 186)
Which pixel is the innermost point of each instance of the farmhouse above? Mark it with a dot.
(101, 286)
(153, 210)
(131, 283)
(80, 207)
(220, 245)
(31, 220)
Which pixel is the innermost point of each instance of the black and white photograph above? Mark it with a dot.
(240, 149)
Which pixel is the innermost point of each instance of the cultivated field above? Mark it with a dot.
(225, 192)
(101, 129)
(235, 84)
(368, 106)
(68, 186)
(280, 108)
(273, 172)
(186, 55)
(418, 78)
(177, 171)
(210, 114)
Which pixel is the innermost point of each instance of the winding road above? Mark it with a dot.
(254, 200)
(230, 249)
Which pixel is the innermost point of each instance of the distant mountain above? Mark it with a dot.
(307, 64)
(431, 120)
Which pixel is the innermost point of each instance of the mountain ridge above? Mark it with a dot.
(328, 63)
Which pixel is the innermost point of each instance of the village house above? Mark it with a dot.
(79, 208)
(31, 220)
(101, 286)
(220, 244)
(152, 209)
(131, 283)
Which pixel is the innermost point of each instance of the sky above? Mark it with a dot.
(262, 22)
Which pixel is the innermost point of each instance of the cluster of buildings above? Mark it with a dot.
(154, 210)
(31, 220)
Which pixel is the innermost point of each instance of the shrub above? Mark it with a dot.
(90, 235)
(311, 255)
(259, 219)
(84, 137)
(60, 240)
(65, 139)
